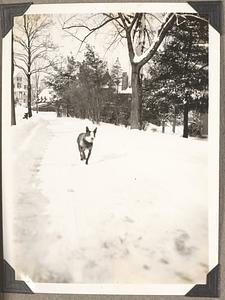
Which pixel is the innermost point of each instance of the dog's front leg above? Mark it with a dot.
(82, 154)
(89, 154)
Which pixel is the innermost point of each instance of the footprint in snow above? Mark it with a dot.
(164, 261)
(181, 244)
(146, 267)
(128, 220)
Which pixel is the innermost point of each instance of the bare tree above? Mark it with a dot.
(36, 90)
(33, 45)
(142, 39)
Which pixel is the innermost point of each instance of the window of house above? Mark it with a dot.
(19, 78)
(19, 85)
(25, 87)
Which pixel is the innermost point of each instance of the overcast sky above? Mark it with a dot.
(101, 41)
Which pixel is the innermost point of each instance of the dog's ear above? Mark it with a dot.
(87, 130)
(95, 130)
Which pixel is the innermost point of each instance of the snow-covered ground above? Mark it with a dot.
(136, 214)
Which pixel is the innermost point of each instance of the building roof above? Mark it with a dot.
(46, 95)
(19, 74)
(127, 91)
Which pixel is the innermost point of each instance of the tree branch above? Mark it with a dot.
(38, 55)
(136, 17)
(115, 19)
(93, 29)
(20, 55)
(38, 29)
(20, 42)
(41, 69)
(20, 67)
(148, 54)
(113, 42)
(123, 21)
(90, 29)
(194, 16)
(22, 59)
(128, 36)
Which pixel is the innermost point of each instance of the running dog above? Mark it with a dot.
(85, 142)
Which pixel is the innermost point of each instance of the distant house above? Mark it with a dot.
(123, 104)
(20, 88)
(45, 101)
(127, 91)
(46, 96)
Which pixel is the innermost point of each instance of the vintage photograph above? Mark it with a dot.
(108, 147)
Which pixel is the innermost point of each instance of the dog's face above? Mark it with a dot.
(90, 135)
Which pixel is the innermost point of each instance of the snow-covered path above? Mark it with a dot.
(136, 214)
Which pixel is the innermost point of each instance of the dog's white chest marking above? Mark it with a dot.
(90, 138)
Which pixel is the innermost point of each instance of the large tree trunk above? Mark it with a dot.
(136, 101)
(186, 110)
(13, 113)
(186, 104)
(37, 108)
(98, 112)
(29, 78)
(174, 119)
(29, 96)
(163, 126)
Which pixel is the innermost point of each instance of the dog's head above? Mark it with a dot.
(90, 135)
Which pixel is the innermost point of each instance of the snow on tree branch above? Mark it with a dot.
(146, 56)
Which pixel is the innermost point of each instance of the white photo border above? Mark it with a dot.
(213, 144)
